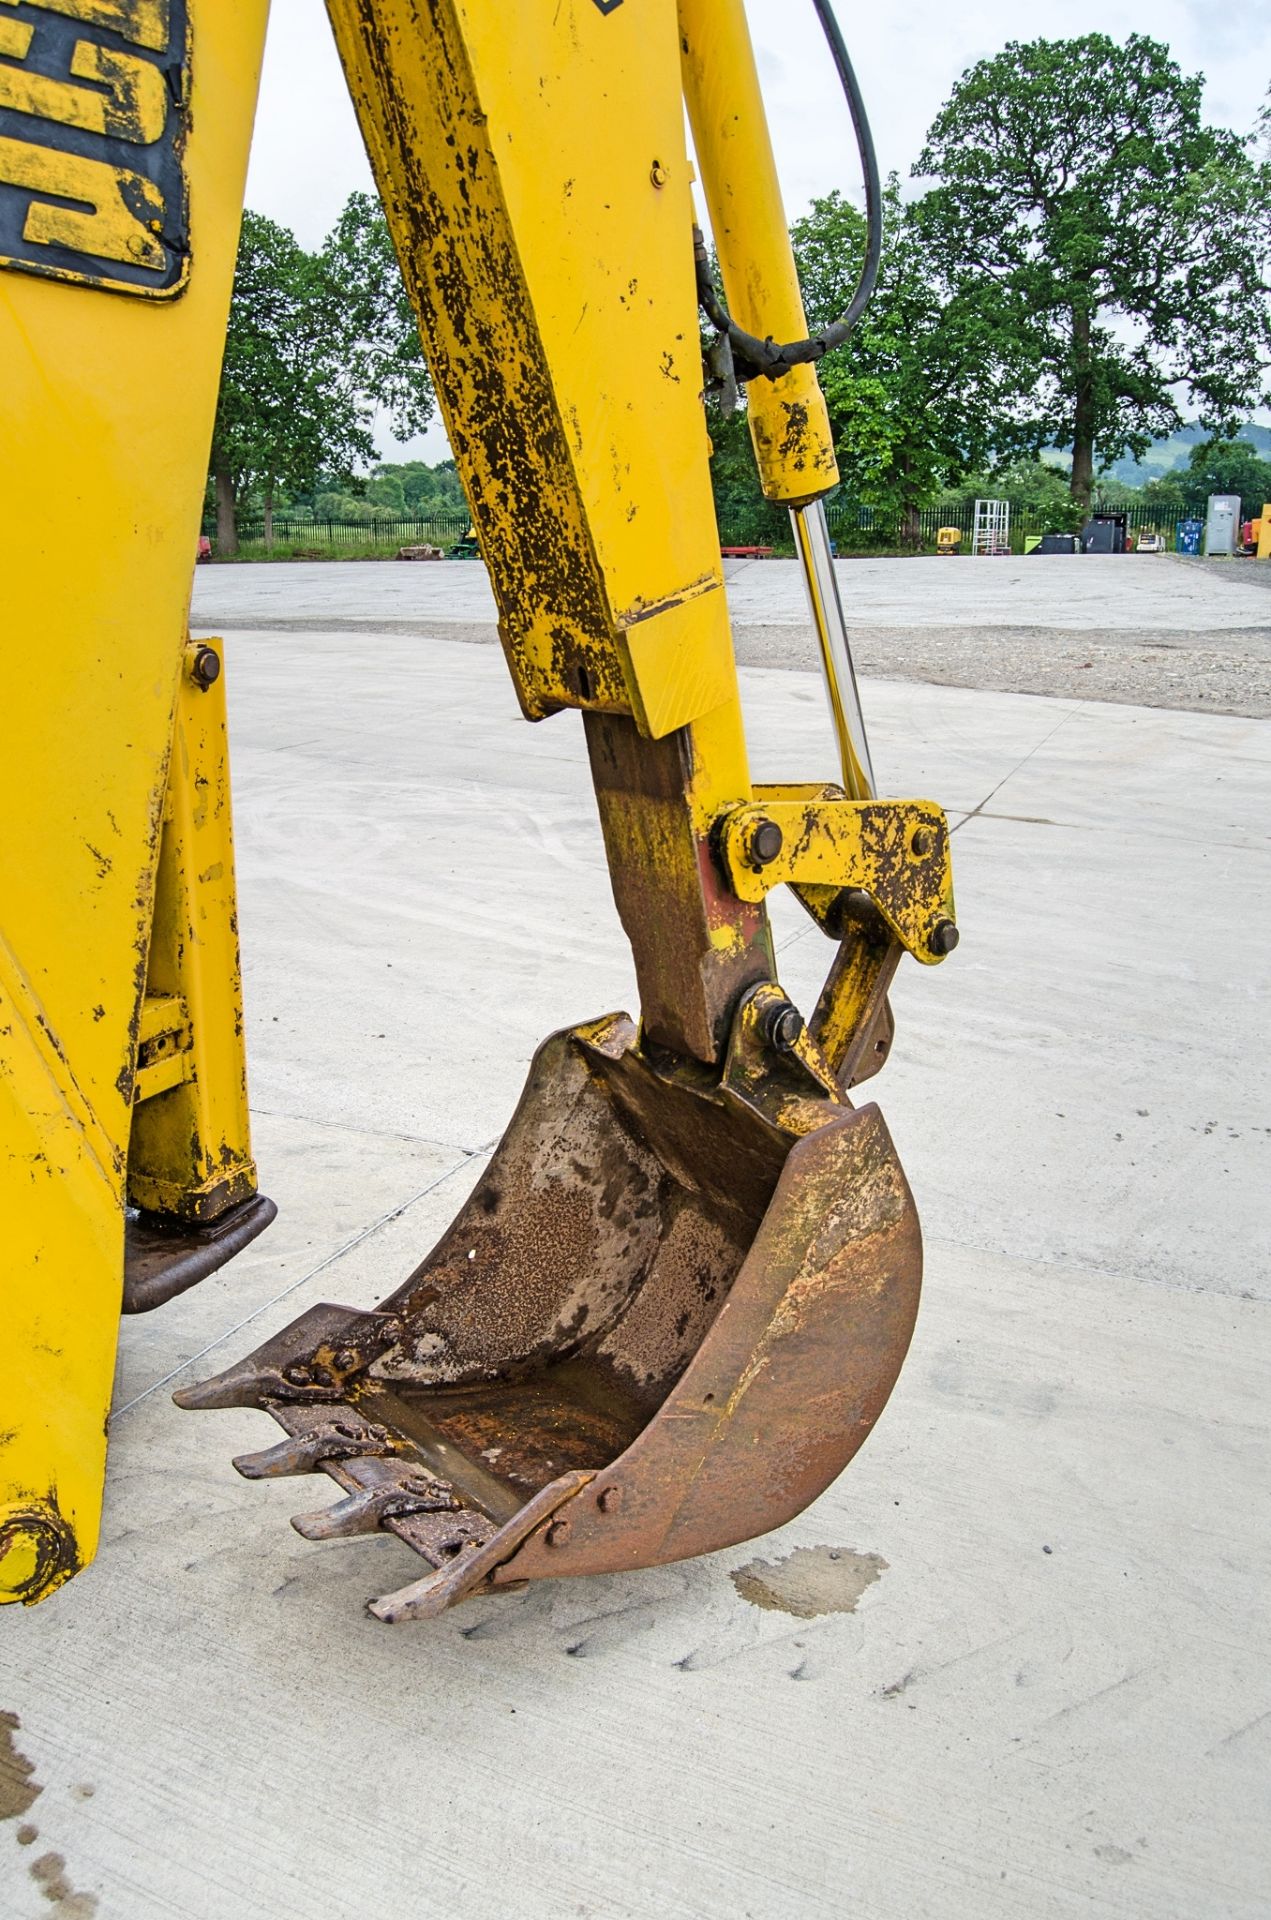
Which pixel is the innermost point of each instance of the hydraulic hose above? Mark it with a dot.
(769, 359)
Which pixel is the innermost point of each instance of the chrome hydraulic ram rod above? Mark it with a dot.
(812, 541)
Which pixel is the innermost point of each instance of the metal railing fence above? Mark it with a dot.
(438, 529)
(852, 527)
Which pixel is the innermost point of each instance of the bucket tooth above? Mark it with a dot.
(314, 1359)
(368, 1509)
(338, 1439)
(465, 1558)
(440, 1537)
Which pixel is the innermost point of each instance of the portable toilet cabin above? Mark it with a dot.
(1222, 523)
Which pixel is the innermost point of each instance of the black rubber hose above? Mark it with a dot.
(769, 358)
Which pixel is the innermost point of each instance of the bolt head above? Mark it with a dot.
(785, 1027)
(558, 1533)
(944, 937)
(766, 841)
(658, 174)
(205, 668)
(923, 841)
(298, 1376)
(346, 1359)
(609, 1499)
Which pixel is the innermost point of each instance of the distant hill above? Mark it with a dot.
(1164, 455)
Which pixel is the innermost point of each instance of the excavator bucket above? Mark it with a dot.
(666, 1318)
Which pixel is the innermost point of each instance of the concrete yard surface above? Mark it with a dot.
(1013, 1665)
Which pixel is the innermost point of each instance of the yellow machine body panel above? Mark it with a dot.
(109, 400)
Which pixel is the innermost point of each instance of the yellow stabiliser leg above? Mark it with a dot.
(112, 317)
(191, 1176)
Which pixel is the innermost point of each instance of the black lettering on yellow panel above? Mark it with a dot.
(93, 109)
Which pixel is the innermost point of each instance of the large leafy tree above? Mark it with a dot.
(1111, 241)
(287, 407)
(1229, 466)
(386, 362)
(1033, 487)
(315, 343)
(911, 395)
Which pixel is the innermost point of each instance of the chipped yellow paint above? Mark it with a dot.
(143, 22)
(549, 257)
(789, 424)
(127, 100)
(897, 851)
(74, 213)
(110, 228)
(95, 624)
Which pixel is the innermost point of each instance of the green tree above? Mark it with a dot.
(1112, 243)
(381, 334)
(1168, 495)
(384, 489)
(287, 406)
(910, 397)
(1033, 487)
(1229, 466)
(316, 342)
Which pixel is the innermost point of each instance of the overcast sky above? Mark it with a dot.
(307, 155)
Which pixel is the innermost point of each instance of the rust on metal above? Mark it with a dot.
(669, 1313)
(675, 1302)
(696, 945)
(164, 1256)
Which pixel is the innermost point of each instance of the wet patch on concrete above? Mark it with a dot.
(809, 1581)
(18, 1791)
(49, 1874)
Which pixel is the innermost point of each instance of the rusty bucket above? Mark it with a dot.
(668, 1315)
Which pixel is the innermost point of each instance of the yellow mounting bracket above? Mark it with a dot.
(816, 840)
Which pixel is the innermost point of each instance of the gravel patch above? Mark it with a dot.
(1242, 572)
(1211, 672)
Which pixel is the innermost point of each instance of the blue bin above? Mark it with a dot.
(1187, 536)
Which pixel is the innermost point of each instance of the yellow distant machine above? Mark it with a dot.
(676, 1303)
(948, 539)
